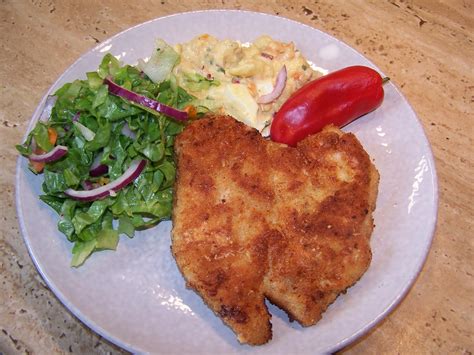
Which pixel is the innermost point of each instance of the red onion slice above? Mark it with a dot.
(87, 185)
(135, 169)
(76, 117)
(86, 132)
(126, 131)
(277, 89)
(48, 107)
(99, 170)
(266, 55)
(57, 153)
(145, 101)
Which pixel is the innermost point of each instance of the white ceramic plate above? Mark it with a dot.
(136, 296)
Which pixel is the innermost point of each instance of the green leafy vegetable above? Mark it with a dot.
(40, 134)
(142, 204)
(161, 62)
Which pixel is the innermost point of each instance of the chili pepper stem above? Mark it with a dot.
(385, 80)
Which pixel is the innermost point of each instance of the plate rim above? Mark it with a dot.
(75, 311)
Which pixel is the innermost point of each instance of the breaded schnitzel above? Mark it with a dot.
(254, 219)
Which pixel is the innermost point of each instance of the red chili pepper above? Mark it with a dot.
(337, 98)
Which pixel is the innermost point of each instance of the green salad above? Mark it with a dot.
(107, 161)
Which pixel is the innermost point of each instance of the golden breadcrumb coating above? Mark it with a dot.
(254, 219)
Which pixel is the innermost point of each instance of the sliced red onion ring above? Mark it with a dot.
(145, 101)
(87, 185)
(98, 169)
(277, 89)
(76, 117)
(48, 107)
(135, 169)
(86, 132)
(57, 153)
(126, 131)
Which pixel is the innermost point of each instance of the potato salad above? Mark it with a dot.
(249, 81)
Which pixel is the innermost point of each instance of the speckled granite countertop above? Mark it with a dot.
(425, 45)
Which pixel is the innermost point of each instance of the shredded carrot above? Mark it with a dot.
(53, 135)
(37, 165)
(191, 110)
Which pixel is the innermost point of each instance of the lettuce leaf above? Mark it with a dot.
(143, 203)
(162, 61)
